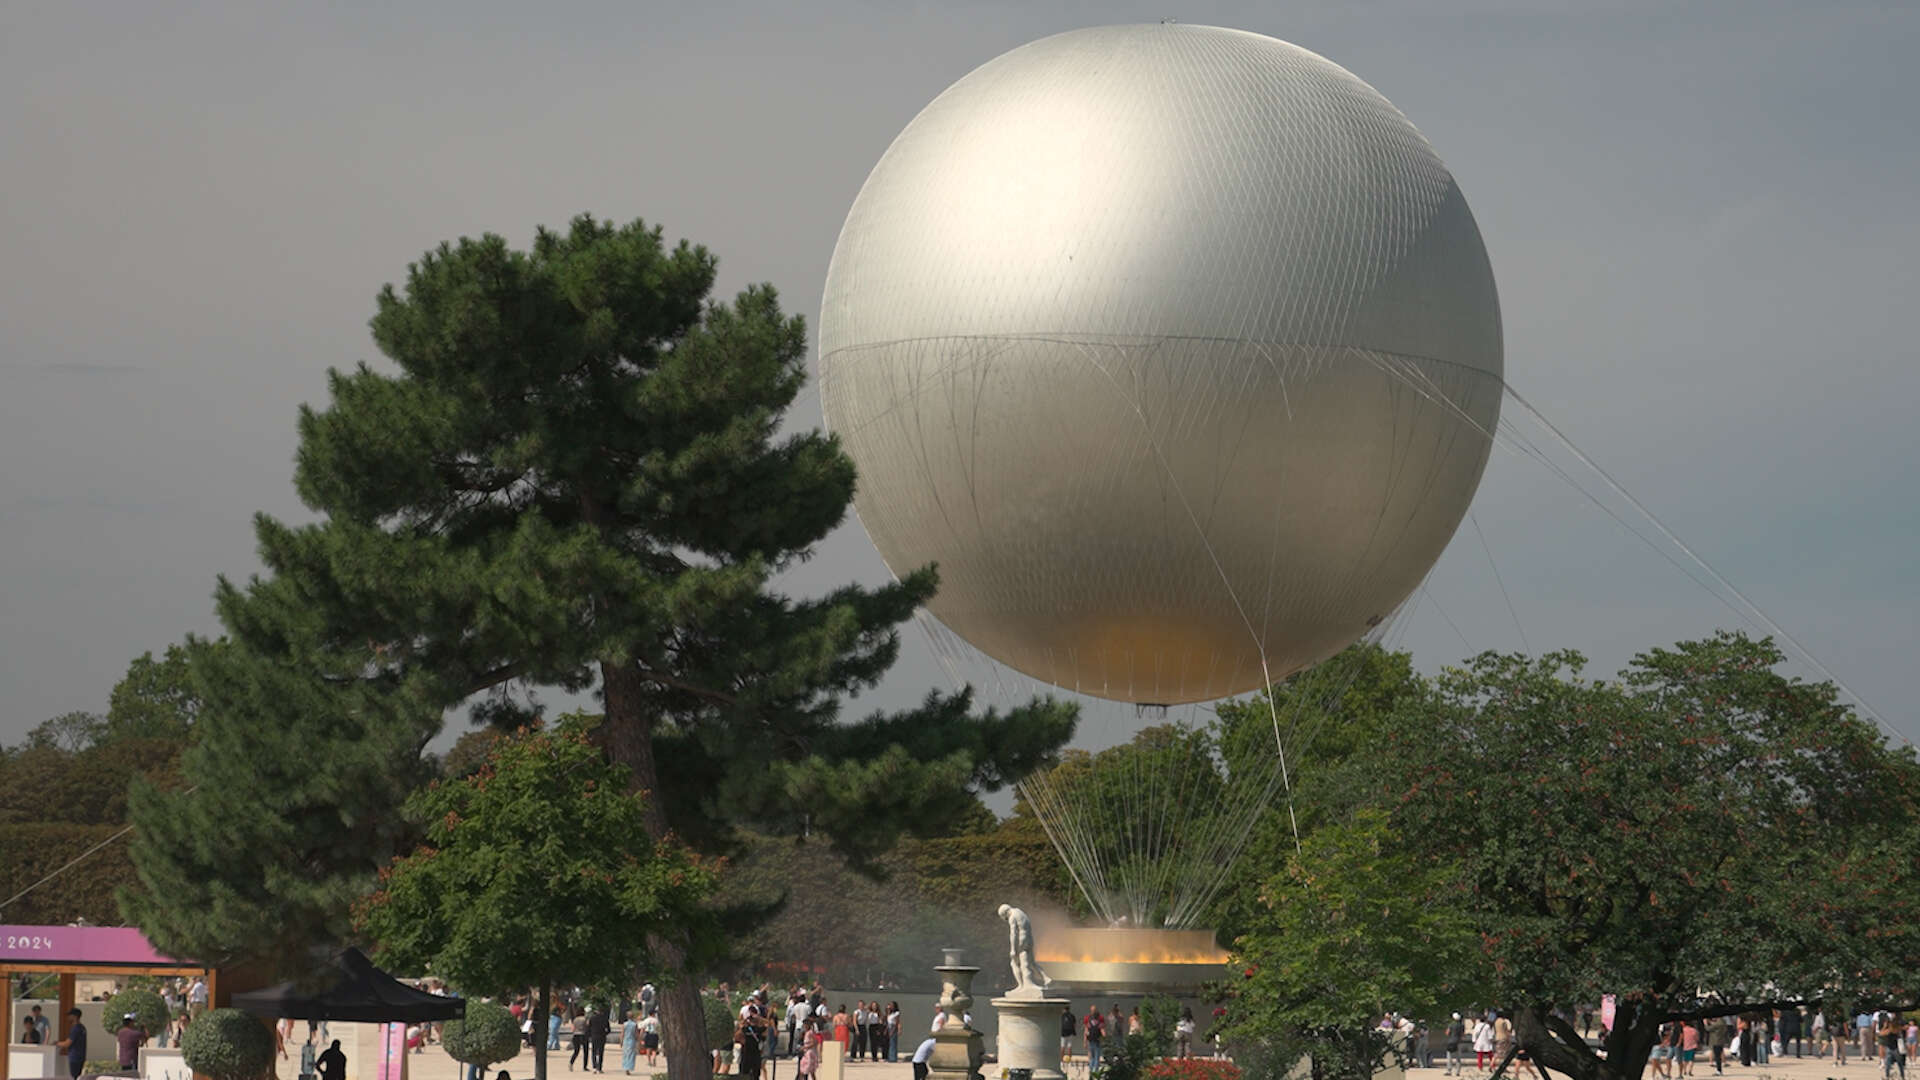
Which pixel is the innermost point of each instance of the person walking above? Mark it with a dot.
(1482, 1045)
(1660, 1057)
(1183, 1033)
(629, 1043)
(1837, 1033)
(598, 1028)
(810, 1057)
(1789, 1028)
(1889, 1033)
(1456, 1034)
(577, 1042)
(1502, 1037)
(1096, 1033)
(555, 1018)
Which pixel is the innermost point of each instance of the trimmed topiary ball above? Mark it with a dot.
(148, 1008)
(228, 1044)
(489, 1033)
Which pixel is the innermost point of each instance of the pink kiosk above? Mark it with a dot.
(68, 951)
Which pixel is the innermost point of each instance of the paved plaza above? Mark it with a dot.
(434, 1064)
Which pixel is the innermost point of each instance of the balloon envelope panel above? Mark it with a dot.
(1175, 347)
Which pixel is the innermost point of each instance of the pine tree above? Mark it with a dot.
(574, 479)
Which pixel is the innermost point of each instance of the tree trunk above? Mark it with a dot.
(1554, 1043)
(542, 1006)
(627, 734)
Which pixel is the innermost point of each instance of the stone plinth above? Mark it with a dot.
(1030, 1034)
(957, 1047)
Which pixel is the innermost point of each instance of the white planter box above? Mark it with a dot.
(168, 1064)
(30, 1061)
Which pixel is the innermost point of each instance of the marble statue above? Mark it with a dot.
(1028, 979)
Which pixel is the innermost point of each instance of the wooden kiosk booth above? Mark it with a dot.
(70, 951)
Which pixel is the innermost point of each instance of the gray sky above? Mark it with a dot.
(1702, 218)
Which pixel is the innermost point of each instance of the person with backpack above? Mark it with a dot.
(1456, 1034)
(1096, 1034)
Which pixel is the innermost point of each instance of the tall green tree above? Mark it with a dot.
(156, 699)
(1331, 719)
(1702, 837)
(1354, 926)
(572, 476)
(537, 870)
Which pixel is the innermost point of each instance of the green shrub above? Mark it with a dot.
(228, 1044)
(1125, 1058)
(489, 1033)
(721, 1020)
(1159, 1014)
(148, 1008)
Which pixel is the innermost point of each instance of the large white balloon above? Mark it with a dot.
(1175, 347)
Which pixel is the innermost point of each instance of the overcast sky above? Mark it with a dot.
(1703, 219)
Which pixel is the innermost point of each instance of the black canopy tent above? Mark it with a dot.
(362, 994)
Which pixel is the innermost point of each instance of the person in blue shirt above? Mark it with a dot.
(75, 1044)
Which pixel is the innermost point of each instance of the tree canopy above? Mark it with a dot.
(571, 475)
(536, 870)
(1700, 837)
(1353, 927)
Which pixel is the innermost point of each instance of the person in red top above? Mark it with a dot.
(1096, 1034)
(130, 1039)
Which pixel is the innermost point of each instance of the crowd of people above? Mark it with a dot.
(1747, 1039)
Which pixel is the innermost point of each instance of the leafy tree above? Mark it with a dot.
(536, 870)
(487, 1034)
(1703, 837)
(300, 768)
(68, 733)
(86, 891)
(468, 753)
(87, 787)
(1352, 927)
(227, 1044)
(156, 699)
(572, 477)
(1331, 717)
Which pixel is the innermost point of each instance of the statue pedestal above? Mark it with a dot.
(957, 1048)
(1030, 1034)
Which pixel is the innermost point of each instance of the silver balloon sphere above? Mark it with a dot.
(1175, 347)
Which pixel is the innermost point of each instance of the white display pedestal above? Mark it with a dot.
(31, 1059)
(1030, 1035)
(168, 1064)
